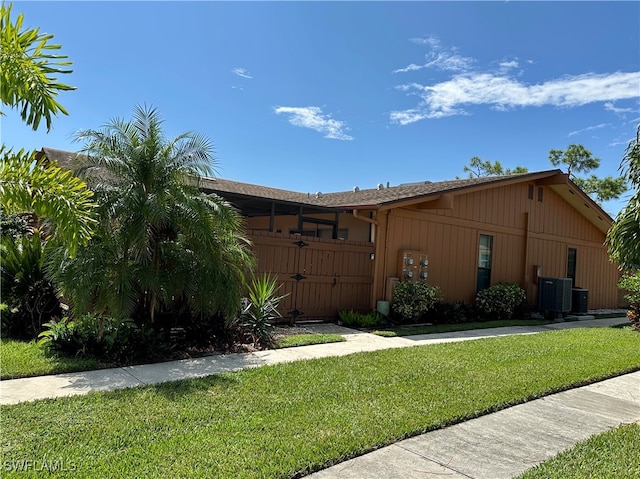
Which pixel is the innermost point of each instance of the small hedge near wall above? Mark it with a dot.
(412, 301)
(500, 301)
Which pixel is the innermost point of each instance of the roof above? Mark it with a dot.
(252, 199)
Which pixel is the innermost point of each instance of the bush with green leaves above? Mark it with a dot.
(30, 295)
(500, 301)
(354, 319)
(261, 311)
(452, 313)
(412, 301)
(631, 283)
(109, 339)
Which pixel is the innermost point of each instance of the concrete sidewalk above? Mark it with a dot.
(506, 443)
(28, 389)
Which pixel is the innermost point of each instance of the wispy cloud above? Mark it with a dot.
(312, 117)
(502, 88)
(439, 58)
(611, 107)
(241, 72)
(503, 92)
(589, 128)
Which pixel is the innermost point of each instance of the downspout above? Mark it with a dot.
(364, 218)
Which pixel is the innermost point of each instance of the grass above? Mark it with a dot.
(293, 418)
(307, 339)
(19, 359)
(447, 328)
(614, 453)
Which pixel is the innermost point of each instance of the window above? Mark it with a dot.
(572, 259)
(485, 250)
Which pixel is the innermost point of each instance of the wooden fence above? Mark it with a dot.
(320, 276)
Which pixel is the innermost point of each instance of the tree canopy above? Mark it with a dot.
(160, 241)
(623, 239)
(27, 69)
(578, 159)
(478, 168)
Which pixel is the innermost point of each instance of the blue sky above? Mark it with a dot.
(324, 96)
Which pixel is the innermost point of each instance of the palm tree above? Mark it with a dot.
(623, 239)
(160, 239)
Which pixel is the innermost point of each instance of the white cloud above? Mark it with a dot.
(589, 128)
(439, 58)
(313, 117)
(503, 92)
(611, 107)
(241, 72)
(509, 65)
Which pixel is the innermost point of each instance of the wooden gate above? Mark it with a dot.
(320, 276)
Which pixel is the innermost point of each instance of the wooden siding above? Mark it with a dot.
(338, 273)
(526, 232)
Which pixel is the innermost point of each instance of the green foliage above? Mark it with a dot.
(54, 195)
(354, 319)
(161, 243)
(452, 313)
(27, 69)
(631, 283)
(29, 294)
(500, 301)
(478, 168)
(623, 239)
(109, 339)
(258, 316)
(578, 159)
(411, 301)
(14, 226)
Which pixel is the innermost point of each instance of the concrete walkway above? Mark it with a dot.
(499, 445)
(28, 389)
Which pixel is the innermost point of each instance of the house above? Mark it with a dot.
(346, 250)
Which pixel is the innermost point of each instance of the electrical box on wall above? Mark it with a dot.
(413, 265)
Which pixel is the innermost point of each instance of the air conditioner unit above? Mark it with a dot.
(554, 295)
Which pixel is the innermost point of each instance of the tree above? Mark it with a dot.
(580, 160)
(60, 201)
(623, 239)
(478, 168)
(160, 241)
(26, 71)
(26, 184)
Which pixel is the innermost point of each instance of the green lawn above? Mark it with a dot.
(614, 454)
(287, 419)
(307, 339)
(447, 328)
(19, 359)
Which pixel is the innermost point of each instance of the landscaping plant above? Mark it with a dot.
(500, 301)
(631, 283)
(261, 311)
(354, 319)
(411, 301)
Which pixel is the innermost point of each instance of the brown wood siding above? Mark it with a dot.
(338, 273)
(526, 232)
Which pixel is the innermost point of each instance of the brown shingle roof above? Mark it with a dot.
(373, 197)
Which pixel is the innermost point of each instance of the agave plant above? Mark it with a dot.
(258, 315)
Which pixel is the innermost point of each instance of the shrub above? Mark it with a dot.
(631, 282)
(257, 317)
(411, 301)
(500, 301)
(354, 319)
(452, 313)
(30, 296)
(117, 340)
